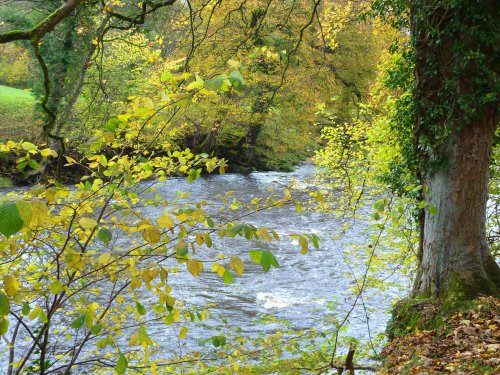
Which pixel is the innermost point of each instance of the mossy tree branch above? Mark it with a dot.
(47, 25)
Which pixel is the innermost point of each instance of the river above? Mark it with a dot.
(301, 291)
(302, 288)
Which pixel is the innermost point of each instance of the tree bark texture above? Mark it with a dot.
(455, 261)
(455, 255)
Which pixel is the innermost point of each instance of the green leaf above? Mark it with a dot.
(209, 222)
(208, 240)
(197, 84)
(256, 256)
(33, 164)
(4, 304)
(121, 364)
(112, 124)
(104, 235)
(166, 76)
(4, 325)
(26, 309)
(78, 322)
(10, 219)
(28, 146)
(268, 260)
(43, 316)
(314, 239)
(218, 340)
(264, 258)
(96, 328)
(56, 287)
(227, 277)
(193, 175)
(236, 80)
(182, 251)
(219, 83)
(140, 309)
(433, 210)
(249, 231)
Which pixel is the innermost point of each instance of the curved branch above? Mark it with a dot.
(48, 24)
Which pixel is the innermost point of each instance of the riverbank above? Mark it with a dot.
(468, 342)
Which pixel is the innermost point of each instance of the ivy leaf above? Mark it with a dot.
(10, 219)
(121, 364)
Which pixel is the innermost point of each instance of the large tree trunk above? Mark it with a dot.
(455, 259)
(453, 138)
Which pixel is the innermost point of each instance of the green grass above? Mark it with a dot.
(16, 114)
(5, 182)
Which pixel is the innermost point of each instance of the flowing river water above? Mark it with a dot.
(301, 291)
(303, 287)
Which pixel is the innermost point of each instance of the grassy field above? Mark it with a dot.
(16, 114)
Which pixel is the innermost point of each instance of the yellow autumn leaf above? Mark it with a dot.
(303, 244)
(40, 213)
(200, 239)
(70, 160)
(146, 276)
(221, 270)
(25, 211)
(135, 283)
(236, 265)
(193, 266)
(50, 195)
(87, 223)
(215, 267)
(108, 137)
(10, 285)
(151, 234)
(165, 221)
(104, 259)
(46, 152)
(183, 332)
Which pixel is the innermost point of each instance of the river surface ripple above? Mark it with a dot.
(301, 288)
